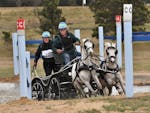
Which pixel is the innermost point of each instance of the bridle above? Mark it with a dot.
(116, 52)
(107, 60)
(88, 47)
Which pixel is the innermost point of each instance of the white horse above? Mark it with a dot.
(83, 72)
(112, 76)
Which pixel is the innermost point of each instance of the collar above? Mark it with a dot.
(113, 69)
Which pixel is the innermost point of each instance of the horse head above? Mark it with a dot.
(111, 52)
(88, 46)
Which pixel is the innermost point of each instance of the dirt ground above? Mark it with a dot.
(61, 106)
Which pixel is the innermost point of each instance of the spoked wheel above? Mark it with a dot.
(37, 90)
(54, 89)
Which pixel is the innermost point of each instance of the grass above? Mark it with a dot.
(6, 72)
(134, 105)
(90, 111)
(137, 104)
(76, 17)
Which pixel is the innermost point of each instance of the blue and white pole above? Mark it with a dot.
(28, 75)
(15, 53)
(119, 40)
(127, 18)
(77, 34)
(22, 57)
(22, 65)
(101, 42)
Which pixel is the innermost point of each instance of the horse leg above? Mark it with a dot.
(119, 88)
(79, 88)
(89, 87)
(104, 86)
(119, 77)
(85, 77)
(99, 85)
(109, 90)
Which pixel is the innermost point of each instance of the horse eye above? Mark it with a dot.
(116, 52)
(85, 46)
(93, 45)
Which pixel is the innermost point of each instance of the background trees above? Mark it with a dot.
(50, 16)
(105, 11)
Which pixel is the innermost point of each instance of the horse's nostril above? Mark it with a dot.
(112, 59)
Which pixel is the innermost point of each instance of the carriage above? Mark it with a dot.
(55, 86)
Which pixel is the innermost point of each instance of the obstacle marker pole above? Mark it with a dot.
(28, 75)
(101, 42)
(22, 56)
(22, 65)
(15, 53)
(77, 34)
(127, 16)
(119, 40)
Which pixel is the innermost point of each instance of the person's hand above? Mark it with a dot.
(59, 51)
(77, 43)
(35, 64)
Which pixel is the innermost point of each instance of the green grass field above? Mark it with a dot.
(77, 17)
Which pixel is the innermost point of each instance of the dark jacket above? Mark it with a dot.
(65, 43)
(44, 51)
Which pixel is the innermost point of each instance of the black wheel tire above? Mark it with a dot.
(37, 90)
(54, 89)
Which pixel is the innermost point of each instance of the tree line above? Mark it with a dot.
(15, 3)
(104, 13)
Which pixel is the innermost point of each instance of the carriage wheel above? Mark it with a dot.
(37, 90)
(54, 89)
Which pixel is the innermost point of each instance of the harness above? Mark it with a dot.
(82, 66)
(108, 69)
(114, 70)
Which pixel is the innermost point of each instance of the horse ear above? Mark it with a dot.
(107, 44)
(84, 39)
(114, 45)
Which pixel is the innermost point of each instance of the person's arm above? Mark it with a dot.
(37, 55)
(55, 46)
(76, 40)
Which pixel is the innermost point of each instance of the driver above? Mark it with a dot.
(45, 50)
(64, 42)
